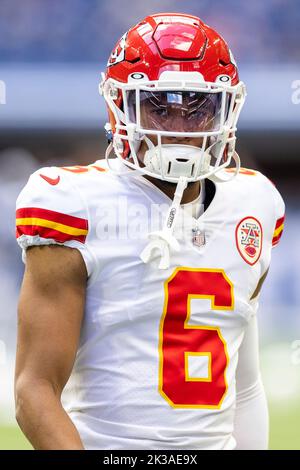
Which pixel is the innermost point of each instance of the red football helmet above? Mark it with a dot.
(172, 89)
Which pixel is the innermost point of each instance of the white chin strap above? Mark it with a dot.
(176, 160)
(163, 240)
(181, 162)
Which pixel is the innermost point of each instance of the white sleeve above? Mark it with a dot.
(251, 425)
(49, 210)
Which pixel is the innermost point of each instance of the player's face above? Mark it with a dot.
(177, 111)
(183, 111)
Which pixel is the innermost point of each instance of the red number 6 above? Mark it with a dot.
(179, 340)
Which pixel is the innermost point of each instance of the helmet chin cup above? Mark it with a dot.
(173, 161)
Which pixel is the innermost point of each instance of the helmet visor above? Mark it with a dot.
(178, 111)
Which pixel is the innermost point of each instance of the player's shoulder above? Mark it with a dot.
(53, 198)
(59, 205)
(61, 185)
(64, 198)
(50, 210)
(257, 185)
(256, 191)
(86, 173)
(47, 186)
(249, 176)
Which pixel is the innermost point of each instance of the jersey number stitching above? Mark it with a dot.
(179, 339)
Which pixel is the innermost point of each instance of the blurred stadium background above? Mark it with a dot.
(51, 56)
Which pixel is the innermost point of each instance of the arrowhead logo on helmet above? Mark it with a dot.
(118, 54)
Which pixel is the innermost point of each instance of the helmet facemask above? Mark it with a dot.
(177, 126)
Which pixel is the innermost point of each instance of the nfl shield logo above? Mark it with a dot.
(198, 237)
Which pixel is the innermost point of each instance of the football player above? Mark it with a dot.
(153, 323)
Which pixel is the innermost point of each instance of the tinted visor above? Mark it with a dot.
(178, 111)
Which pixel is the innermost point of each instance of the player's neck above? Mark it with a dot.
(190, 194)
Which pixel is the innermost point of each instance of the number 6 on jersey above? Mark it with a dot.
(180, 340)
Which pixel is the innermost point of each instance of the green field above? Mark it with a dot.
(12, 438)
(284, 427)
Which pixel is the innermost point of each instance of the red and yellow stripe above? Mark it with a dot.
(50, 224)
(278, 231)
(83, 169)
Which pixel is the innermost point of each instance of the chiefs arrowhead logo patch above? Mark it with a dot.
(249, 237)
(118, 54)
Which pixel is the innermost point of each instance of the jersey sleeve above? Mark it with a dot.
(49, 210)
(279, 217)
(251, 413)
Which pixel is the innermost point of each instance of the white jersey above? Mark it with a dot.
(156, 363)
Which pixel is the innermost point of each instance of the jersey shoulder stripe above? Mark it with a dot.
(45, 223)
(278, 231)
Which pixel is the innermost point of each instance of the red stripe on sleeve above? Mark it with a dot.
(70, 220)
(276, 239)
(279, 222)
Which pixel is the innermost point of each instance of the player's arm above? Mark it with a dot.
(50, 313)
(251, 425)
(251, 429)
